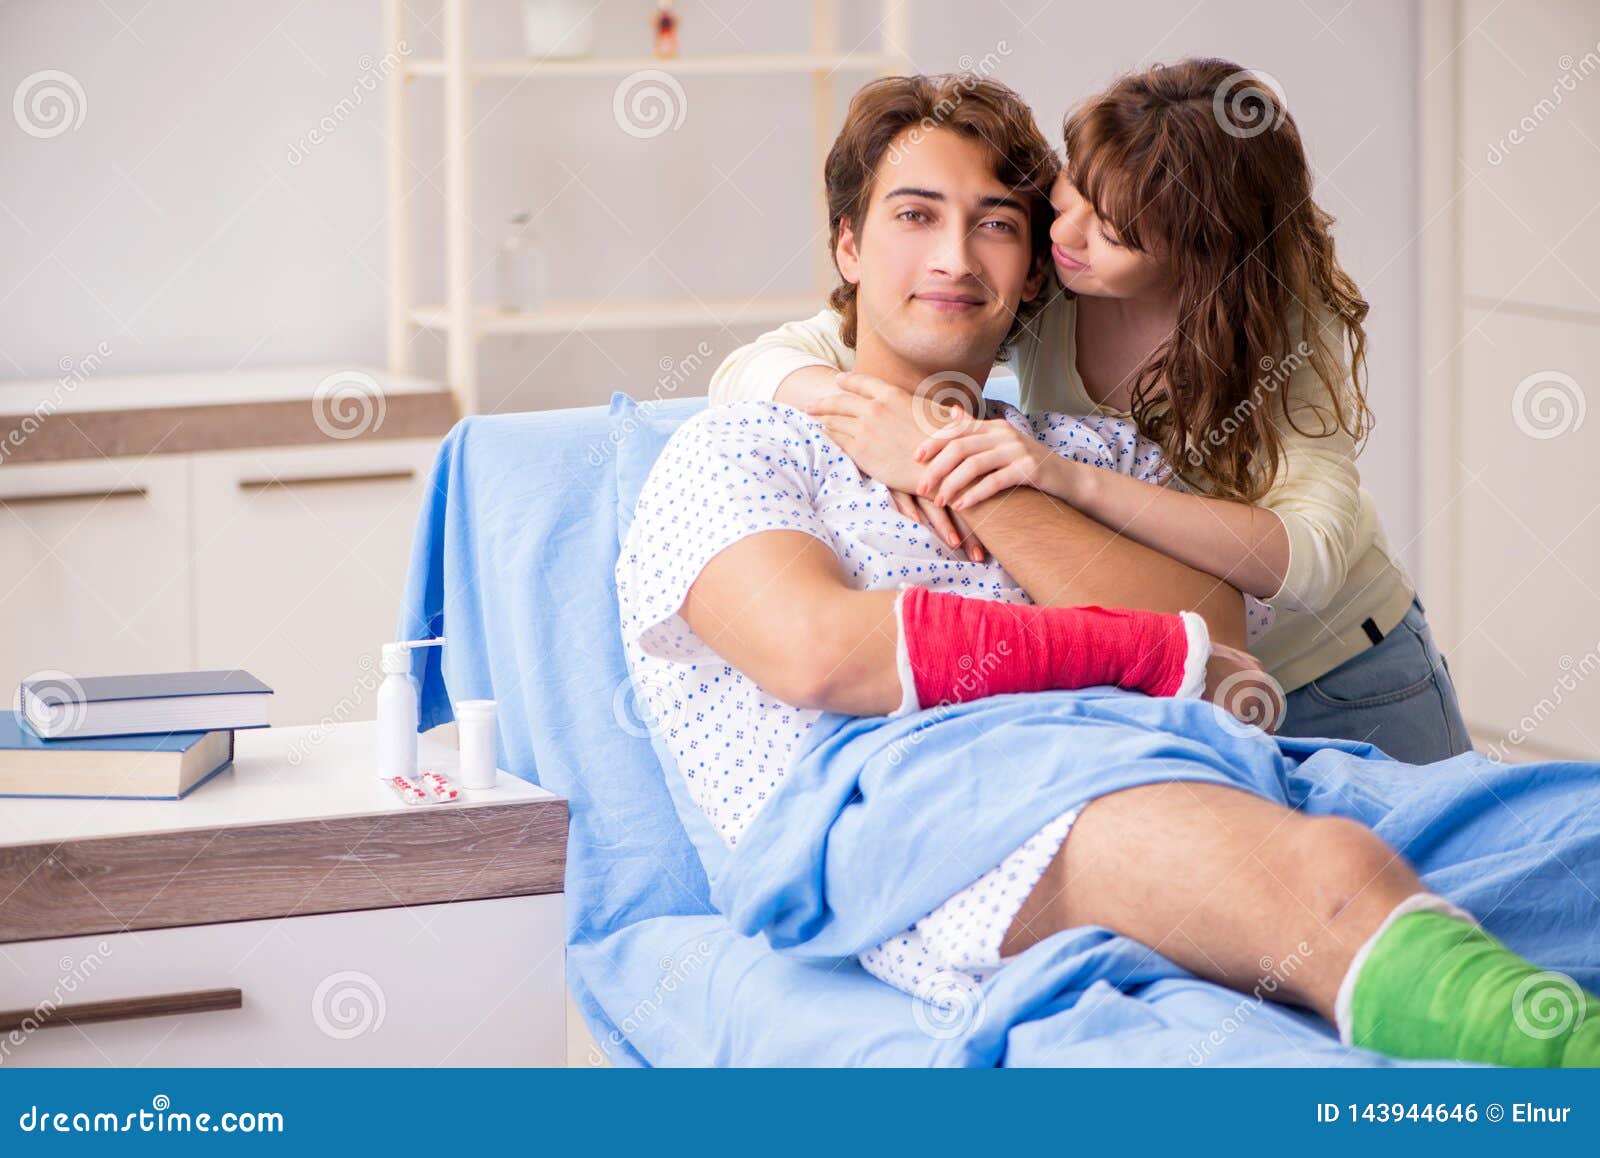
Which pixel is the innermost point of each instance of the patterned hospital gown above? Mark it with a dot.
(737, 470)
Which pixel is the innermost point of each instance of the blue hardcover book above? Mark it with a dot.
(59, 706)
(153, 767)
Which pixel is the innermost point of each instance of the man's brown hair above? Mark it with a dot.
(973, 106)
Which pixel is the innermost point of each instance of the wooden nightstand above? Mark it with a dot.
(290, 911)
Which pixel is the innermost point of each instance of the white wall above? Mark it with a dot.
(1514, 341)
(176, 224)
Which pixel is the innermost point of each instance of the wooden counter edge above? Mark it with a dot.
(156, 880)
(67, 436)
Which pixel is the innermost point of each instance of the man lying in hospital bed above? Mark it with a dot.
(764, 581)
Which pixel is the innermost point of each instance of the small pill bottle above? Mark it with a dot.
(475, 727)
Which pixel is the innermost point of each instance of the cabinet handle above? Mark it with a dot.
(73, 496)
(123, 1009)
(261, 484)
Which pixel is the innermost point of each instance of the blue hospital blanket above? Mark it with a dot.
(513, 561)
(880, 819)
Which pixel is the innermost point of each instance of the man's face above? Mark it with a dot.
(943, 258)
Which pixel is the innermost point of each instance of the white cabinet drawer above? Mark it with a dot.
(300, 564)
(475, 983)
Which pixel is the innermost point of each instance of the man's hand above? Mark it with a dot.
(1238, 684)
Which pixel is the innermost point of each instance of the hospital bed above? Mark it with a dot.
(513, 561)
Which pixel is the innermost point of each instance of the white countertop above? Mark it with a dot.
(278, 774)
(210, 388)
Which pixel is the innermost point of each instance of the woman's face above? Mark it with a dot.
(1089, 257)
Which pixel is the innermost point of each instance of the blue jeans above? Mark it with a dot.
(1396, 694)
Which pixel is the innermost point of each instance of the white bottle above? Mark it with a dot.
(397, 710)
(476, 733)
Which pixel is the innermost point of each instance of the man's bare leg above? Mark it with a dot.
(1221, 881)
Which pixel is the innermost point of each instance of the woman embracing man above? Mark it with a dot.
(1194, 289)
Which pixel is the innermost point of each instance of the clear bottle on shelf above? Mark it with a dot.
(521, 276)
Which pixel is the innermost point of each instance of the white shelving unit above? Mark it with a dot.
(462, 321)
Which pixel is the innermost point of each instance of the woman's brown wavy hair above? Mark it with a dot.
(1200, 164)
(966, 103)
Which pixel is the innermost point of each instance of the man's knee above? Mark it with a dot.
(1340, 859)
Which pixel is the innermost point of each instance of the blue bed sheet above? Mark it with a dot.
(513, 560)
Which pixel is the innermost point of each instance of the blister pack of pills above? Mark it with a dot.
(428, 788)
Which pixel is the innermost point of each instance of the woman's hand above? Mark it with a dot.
(953, 529)
(879, 425)
(970, 463)
(1238, 684)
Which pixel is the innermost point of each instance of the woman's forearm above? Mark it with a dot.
(806, 385)
(756, 371)
(1243, 544)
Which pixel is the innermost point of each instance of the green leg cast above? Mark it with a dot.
(1435, 986)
